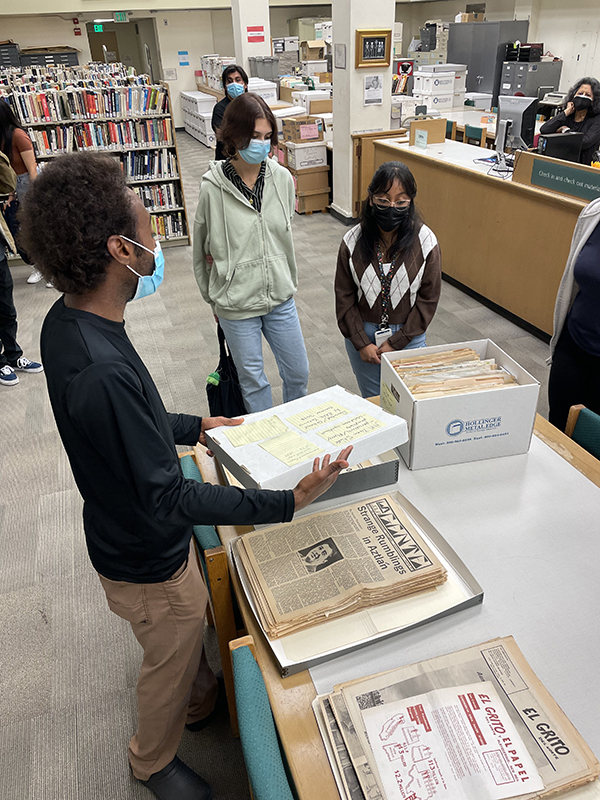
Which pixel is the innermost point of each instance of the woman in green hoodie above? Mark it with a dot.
(244, 253)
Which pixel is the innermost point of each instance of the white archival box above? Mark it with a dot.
(462, 427)
(256, 468)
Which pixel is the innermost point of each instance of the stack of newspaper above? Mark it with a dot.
(332, 563)
(451, 372)
(473, 725)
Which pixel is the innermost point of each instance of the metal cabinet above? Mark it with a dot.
(527, 77)
(481, 46)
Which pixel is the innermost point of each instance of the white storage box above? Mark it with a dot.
(459, 100)
(433, 83)
(197, 101)
(254, 467)
(482, 100)
(291, 111)
(462, 427)
(306, 156)
(459, 70)
(265, 89)
(312, 67)
(441, 102)
(292, 43)
(327, 126)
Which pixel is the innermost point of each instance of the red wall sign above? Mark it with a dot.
(256, 33)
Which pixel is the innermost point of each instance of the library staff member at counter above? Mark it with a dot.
(581, 115)
(91, 236)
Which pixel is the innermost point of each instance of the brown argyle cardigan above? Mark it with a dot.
(414, 292)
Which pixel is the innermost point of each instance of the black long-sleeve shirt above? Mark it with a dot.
(138, 508)
(589, 126)
(217, 120)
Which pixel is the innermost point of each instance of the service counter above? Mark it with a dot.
(505, 241)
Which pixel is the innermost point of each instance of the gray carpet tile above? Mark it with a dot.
(68, 666)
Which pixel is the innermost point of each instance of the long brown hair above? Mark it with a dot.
(240, 115)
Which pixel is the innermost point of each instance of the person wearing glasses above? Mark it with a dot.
(388, 276)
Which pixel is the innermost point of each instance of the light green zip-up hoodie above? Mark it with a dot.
(253, 265)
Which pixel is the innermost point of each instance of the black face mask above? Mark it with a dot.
(390, 218)
(582, 103)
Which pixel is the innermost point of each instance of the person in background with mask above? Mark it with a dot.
(388, 277)
(244, 258)
(92, 237)
(581, 115)
(235, 83)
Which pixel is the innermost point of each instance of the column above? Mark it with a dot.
(529, 9)
(251, 29)
(350, 113)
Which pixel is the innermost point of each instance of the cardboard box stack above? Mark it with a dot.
(211, 67)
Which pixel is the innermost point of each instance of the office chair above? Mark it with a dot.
(470, 103)
(475, 135)
(262, 753)
(583, 426)
(450, 129)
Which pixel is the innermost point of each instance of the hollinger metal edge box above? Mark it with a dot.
(463, 427)
(256, 468)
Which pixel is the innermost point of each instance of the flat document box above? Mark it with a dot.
(274, 449)
(306, 648)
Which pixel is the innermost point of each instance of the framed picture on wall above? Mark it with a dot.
(373, 47)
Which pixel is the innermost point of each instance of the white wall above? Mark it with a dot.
(563, 28)
(222, 32)
(185, 30)
(44, 31)
(281, 14)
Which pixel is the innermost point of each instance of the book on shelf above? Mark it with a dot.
(141, 165)
(168, 226)
(159, 196)
(476, 724)
(130, 133)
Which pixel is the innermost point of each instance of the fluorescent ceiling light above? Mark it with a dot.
(108, 19)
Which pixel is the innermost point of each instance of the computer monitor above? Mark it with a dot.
(519, 114)
(566, 146)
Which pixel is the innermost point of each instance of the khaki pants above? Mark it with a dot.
(175, 684)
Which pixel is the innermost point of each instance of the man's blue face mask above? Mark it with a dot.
(148, 284)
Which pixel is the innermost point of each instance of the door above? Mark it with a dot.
(109, 40)
(582, 55)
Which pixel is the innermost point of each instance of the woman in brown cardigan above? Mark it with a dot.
(388, 277)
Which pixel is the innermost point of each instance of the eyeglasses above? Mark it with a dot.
(383, 202)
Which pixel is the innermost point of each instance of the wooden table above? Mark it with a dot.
(291, 697)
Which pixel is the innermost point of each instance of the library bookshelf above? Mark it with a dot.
(106, 109)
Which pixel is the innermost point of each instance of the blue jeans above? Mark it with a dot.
(368, 376)
(281, 329)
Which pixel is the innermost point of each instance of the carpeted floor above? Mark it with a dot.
(68, 666)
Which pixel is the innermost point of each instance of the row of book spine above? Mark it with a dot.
(66, 105)
(159, 196)
(108, 135)
(140, 165)
(168, 226)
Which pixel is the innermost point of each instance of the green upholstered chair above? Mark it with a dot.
(205, 535)
(583, 426)
(450, 129)
(470, 103)
(475, 135)
(260, 743)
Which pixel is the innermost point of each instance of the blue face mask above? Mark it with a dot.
(148, 284)
(256, 151)
(235, 90)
